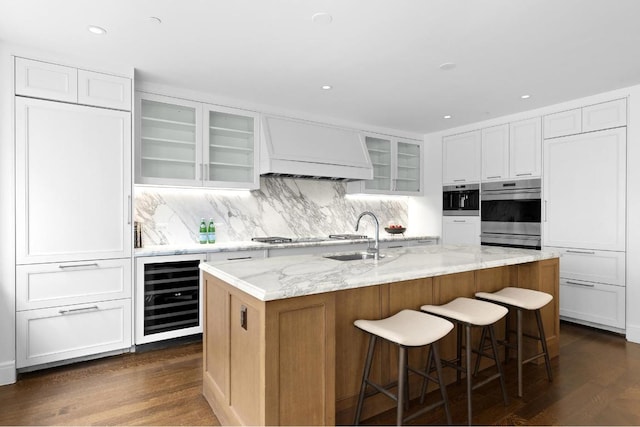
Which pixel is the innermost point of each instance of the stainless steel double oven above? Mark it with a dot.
(510, 214)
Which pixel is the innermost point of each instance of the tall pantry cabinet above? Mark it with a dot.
(584, 213)
(73, 213)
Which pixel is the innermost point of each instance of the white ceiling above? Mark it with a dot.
(382, 57)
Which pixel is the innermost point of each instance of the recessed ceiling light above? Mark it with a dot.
(322, 18)
(96, 30)
(525, 96)
(447, 66)
(447, 116)
(327, 87)
(154, 20)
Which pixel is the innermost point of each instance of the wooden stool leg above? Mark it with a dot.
(483, 337)
(435, 353)
(365, 377)
(519, 348)
(494, 345)
(402, 369)
(543, 339)
(425, 380)
(468, 370)
(459, 352)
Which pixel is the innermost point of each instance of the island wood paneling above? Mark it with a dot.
(312, 356)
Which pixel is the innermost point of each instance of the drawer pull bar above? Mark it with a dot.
(239, 258)
(572, 251)
(92, 264)
(76, 310)
(586, 285)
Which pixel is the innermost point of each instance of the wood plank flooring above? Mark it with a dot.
(596, 382)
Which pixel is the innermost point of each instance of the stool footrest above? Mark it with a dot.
(384, 389)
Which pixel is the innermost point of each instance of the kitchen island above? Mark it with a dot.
(280, 347)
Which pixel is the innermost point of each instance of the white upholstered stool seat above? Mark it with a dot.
(468, 313)
(407, 328)
(519, 299)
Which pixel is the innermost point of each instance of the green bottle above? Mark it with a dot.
(211, 235)
(203, 231)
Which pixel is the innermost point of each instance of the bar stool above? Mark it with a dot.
(407, 328)
(470, 312)
(520, 299)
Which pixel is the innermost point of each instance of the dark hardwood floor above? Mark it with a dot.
(596, 382)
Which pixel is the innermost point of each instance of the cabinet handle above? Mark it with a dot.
(92, 264)
(129, 209)
(494, 177)
(206, 172)
(586, 285)
(459, 220)
(239, 258)
(392, 247)
(545, 211)
(573, 251)
(524, 174)
(459, 180)
(77, 310)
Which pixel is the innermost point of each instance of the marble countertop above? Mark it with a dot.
(197, 248)
(290, 276)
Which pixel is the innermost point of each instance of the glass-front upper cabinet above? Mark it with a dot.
(397, 167)
(230, 155)
(186, 143)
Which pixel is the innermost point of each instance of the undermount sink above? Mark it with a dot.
(352, 257)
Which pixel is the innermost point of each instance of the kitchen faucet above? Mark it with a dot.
(376, 249)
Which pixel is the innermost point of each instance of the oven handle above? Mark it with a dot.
(510, 195)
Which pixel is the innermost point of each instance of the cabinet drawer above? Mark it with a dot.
(43, 80)
(592, 302)
(604, 116)
(592, 266)
(104, 90)
(50, 285)
(563, 123)
(53, 334)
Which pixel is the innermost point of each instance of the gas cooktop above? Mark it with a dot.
(277, 239)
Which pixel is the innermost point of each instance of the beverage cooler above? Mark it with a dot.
(168, 297)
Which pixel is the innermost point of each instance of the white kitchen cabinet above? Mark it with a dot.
(104, 90)
(605, 115)
(186, 143)
(563, 123)
(39, 79)
(168, 297)
(461, 230)
(461, 159)
(66, 332)
(606, 267)
(54, 284)
(585, 191)
(397, 167)
(230, 154)
(495, 153)
(594, 304)
(525, 148)
(73, 184)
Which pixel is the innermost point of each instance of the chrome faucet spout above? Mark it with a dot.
(376, 248)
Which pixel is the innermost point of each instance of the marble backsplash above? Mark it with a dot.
(281, 207)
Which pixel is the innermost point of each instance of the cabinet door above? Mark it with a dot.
(460, 230)
(593, 303)
(592, 266)
(169, 141)
(104, 90)
(230, 153)
(43, 80)
(495, 153)
(380, 154)
(408, 170)
(563, 123)
(461, 158)
(73, 182)
(605, 115)
(50, 285)
(525, 148)
(53, 334)
(585, 191)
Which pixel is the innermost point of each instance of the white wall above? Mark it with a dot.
(429, 208)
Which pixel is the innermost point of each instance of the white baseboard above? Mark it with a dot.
(633, 333)
(7, 373)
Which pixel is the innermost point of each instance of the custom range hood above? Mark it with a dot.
(301, 149)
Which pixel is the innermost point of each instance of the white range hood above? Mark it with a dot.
(303, 149)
